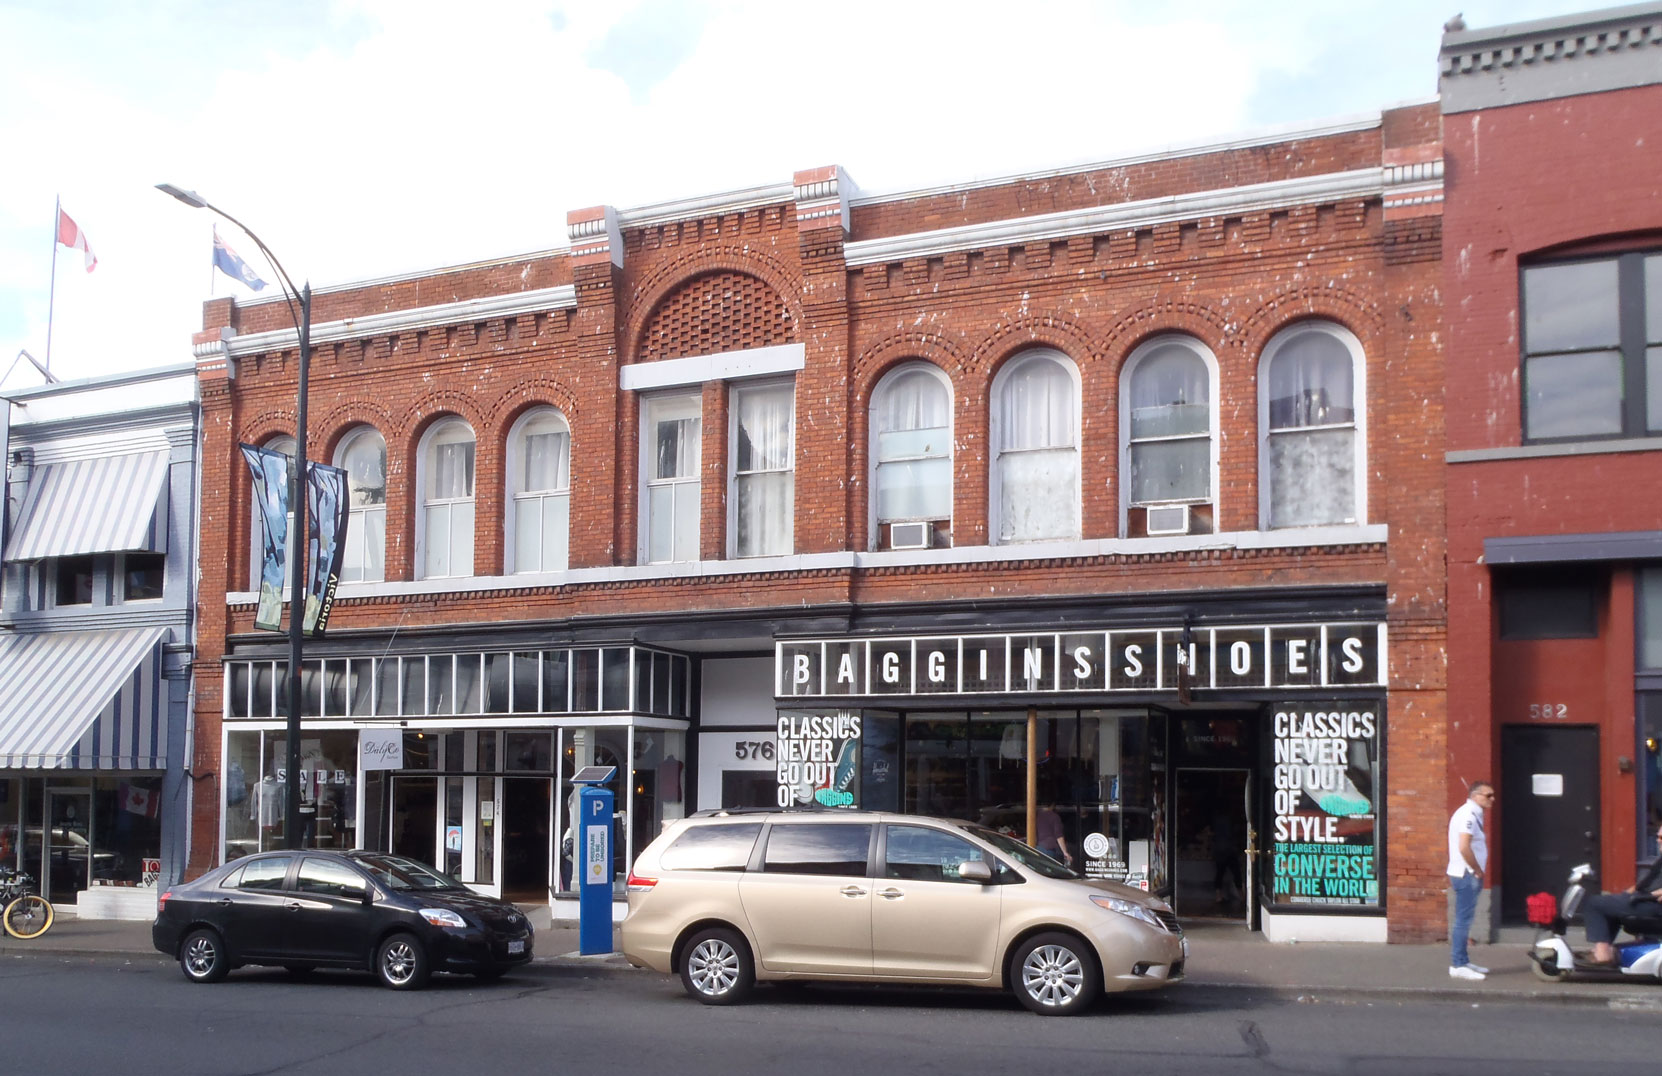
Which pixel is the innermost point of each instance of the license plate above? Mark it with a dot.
(515, 947)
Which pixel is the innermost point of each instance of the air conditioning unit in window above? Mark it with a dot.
(1168, 519)
(910, 535)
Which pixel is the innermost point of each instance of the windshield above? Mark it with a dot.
(1028, 856)
(396, 872)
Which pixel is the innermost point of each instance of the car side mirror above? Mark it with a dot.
(975, 870)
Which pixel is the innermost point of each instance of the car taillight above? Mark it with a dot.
(161, 902)
(637, 884)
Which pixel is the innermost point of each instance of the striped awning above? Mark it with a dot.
(83, 700)
(111, 504)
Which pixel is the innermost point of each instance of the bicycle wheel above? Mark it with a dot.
(28, 916)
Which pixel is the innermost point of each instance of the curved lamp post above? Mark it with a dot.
(297, 500)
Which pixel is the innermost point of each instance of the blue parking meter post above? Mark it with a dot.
(594, 886)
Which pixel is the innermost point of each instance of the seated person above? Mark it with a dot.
(1604, 913)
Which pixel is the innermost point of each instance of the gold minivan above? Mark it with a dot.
(729, 898)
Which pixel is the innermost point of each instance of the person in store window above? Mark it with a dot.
(1051, 840)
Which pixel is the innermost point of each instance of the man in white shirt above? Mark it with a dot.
(1468, 857)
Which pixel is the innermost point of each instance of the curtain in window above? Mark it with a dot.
(677, 448)
(542, 501)
(1038, 463)
(451, 477)
(547, 461)
(364, 457)
(448, 523)
(672, 488)
(913, 423)
(1170, 427)
(1312, 434)
(764, 482)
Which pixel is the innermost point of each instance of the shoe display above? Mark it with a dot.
(1466, 971)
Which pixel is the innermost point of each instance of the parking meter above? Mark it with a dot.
(594, 860)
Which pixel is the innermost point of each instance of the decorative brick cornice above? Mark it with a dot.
(822, 198)
(595, 237)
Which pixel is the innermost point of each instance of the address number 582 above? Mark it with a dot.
(1549, 711)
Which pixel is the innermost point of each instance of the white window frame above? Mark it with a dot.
(443, 429)
(874, 516)
(256, 550)
(735, 393)
(356, 530)
(519, 500)
(996, 437)
(1359, 404)
(1127, 379)
(669, 407)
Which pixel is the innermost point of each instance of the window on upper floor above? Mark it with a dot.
(1592, 348)
(142, 576)
(911, 451)
(763, 457)
(256, 554)
(671, 434)
(539, 463)
(1312, 451)
(446, 483)
(1035, 435)
(1555, 601)
(1650, 618)
(1170, 437)
(72, 580)
(363, 456)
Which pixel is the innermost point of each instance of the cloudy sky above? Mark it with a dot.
(367, 138)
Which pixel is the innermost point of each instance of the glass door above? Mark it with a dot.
(68, 859)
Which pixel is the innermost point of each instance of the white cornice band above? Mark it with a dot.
(707, 205)
(1228, 201)
(415, 319)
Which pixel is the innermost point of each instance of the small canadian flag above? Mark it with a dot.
(71, 236)
(139, 800)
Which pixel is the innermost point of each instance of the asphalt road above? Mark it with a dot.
(64, 1016)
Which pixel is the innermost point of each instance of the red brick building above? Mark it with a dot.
(1553, 257)
(1137, 463)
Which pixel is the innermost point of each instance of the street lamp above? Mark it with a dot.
(297, 500)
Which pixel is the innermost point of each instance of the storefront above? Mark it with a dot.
(461, 759)
(1238, 769)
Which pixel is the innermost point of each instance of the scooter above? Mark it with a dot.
(1551, 958)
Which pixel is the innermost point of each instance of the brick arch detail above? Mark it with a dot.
(1341, 305)
(534, 392)
(874, 362)
(1050, 330)
(277, 422)
(1211, 327)
(435, 405)
(349, 416)
(659, 286)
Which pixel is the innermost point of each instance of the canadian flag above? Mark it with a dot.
(139, 800)
(70, 235)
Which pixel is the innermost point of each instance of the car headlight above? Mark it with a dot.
(1126, 907)
(442, 917)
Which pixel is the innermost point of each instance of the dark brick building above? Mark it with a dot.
(1553, 262)
(1139, 463)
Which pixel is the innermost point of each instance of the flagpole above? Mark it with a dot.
(52, 291)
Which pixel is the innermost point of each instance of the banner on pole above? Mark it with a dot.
(325, 541)
(270, 470)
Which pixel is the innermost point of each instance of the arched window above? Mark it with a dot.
(911, 451)
(1168, 423)
(1035, 435)
(256, 525)
(539, 467)
(363, 456)
(1309, 403)
(445, 540)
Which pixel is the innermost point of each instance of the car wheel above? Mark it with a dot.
(716, 968)
(203, 957)
(401, 963)
(1055, 975)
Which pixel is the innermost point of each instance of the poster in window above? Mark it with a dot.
(1325, 812)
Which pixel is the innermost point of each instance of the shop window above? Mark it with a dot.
(363, 456)
(142, 575)
(671, 433)
(445, 538)
(1548, 603)
(911, 451)
(1308, 412)
(1035, 434)
(73, 580)
(539, 462)
(1170, 433)
(764, 469)
(1592, 348)
(826, 848)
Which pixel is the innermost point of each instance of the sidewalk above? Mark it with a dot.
(1222, 955)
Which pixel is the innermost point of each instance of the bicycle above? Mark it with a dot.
(26, 915)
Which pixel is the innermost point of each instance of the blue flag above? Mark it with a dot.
(227, 262)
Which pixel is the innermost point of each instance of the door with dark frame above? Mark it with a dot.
(1549, 809)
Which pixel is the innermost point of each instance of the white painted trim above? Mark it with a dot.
(1227, 201)
(995, 434)
(873, 457)
(510, 492)
(732, 478)
(429, 439)
(1264, 136)
(1289, 538)
(1288, 928)
(652, 410)
(725, 366)
(707, 205)
(414, 319)
(1213, 407)
(1359, 402)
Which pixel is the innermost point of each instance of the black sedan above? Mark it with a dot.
(300, 910)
